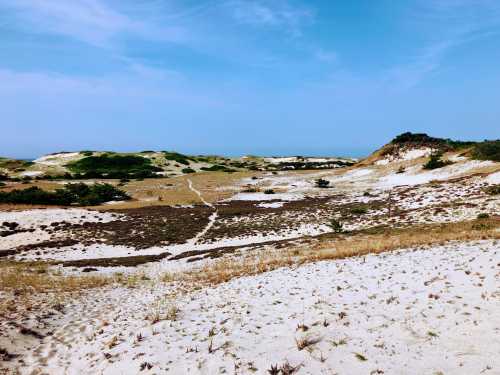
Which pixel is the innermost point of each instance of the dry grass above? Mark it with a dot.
(39, 279)
(29, 286)
(173, 191)
(226, 269)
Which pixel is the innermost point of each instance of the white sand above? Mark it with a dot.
(412, 312)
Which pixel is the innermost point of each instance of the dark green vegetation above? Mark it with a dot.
(492, 190)
(218, 168)
(178, 158)
(486, 150)
(422, 139)
(336, 226)
(188, 170)
(113, 166)
(72, 194)
(321, 183)
(310, 165)
(436, 162)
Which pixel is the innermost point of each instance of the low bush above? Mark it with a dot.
(175, 156)
(483, 216)
(436, 162)
(113, 166)
(492, 190)
(487, 150)
(269, 191)
(360, 210)
(71, 194)
(188, 170)
(218, 168)
(321, 183)
(336, 226)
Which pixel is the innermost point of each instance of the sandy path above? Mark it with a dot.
(212, 217)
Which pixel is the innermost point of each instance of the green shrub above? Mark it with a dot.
(321, 183)
(424, 139)
(218, 168)
(188, 170)
(175, 156)
(435, 161)
(71, 194)
(113, 166)
(336, 226)
(492, 190)
(487, 150)
(360, 210)
(483, 216)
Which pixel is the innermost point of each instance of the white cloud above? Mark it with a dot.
(271, 14)
(90, 21)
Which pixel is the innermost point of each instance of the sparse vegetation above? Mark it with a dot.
(227, 269)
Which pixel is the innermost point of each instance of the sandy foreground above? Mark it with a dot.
(416, 311)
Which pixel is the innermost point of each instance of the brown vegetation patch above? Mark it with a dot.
(131, 261)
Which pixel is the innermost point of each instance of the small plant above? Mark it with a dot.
(361, 357)
(306, 342)
(483, 215)
(359, 210)
(323, 184)
(269, 191)
(336, 226)
(274, 370)
(432, 334)
(490, 190)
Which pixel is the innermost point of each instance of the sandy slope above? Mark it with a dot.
(422, 311)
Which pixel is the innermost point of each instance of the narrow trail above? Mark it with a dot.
(211, 219)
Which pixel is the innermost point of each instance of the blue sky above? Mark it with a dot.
(324, 77)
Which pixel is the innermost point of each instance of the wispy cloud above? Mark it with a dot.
(450, 24)
(275, 13)
(89, 21)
